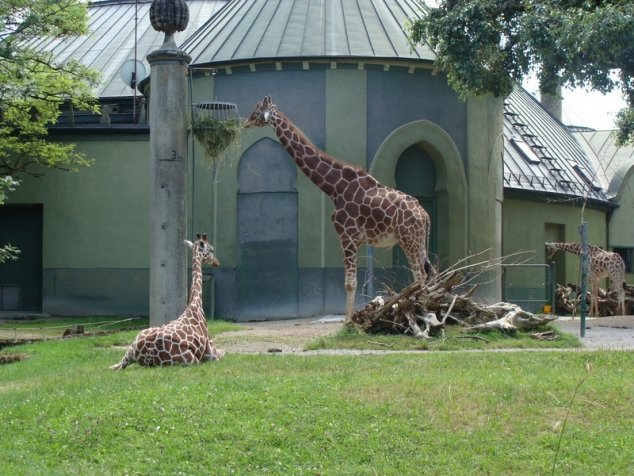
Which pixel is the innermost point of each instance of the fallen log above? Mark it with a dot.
(514, 318)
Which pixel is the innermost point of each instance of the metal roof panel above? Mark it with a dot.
(252, 30)
(112, 38)
(552, 159)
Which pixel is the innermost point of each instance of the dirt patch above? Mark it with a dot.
(285, 336)
(11, 358)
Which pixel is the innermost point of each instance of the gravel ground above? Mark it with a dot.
(616, 333)
(291, 335)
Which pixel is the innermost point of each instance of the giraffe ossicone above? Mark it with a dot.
(366, 211)
(186, 340)
(601, 264)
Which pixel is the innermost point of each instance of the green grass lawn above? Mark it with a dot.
(455, 339)
(39, 328)
(431, 413)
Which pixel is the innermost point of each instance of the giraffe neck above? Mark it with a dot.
(315, 163)
(195, 293)
(575, 248)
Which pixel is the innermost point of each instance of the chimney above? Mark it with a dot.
(552, 103)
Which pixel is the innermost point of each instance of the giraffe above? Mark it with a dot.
(601, 264)
(366, 211)
(186, 340)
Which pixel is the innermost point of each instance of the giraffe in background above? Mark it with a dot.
(601, 264)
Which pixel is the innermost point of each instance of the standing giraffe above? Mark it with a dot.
(366, 211)
(601, 264)
(184, 341)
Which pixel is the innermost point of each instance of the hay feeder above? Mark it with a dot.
(216, 126)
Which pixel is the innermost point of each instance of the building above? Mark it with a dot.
(496, 177)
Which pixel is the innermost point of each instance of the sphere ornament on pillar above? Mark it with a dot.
(169, 16)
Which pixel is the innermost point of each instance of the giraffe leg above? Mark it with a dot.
(185, 358)
(416, 258)
(620, 310)
(136, 349)
(127, 359)
(350, 262)
(120, 366)
(594, 298)
(212, 352)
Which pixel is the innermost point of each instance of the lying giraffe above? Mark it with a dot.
(186, 340)
(366, 211)
(601, 264)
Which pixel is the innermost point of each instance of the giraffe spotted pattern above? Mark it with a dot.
(186, 340)
(601, 264)
(366, 211)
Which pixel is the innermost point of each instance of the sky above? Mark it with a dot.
(585, 108)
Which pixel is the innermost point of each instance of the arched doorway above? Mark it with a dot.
(415, 175)
(266, 275)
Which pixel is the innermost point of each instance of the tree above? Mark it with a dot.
(33, 84)
(7, 251)
(488, 46)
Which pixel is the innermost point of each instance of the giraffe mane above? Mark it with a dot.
(319, 151)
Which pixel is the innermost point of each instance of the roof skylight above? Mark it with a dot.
(525, 150)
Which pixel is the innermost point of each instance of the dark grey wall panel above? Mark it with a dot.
(298, 94)
(102, 291)
(395, 99)
(266, 167)
(266, 278)
(311, 292)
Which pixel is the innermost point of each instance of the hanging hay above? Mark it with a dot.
(217, 127)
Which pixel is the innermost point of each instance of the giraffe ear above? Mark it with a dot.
(189, 244)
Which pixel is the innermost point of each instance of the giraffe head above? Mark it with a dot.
(203, 248)
(262, 113)
(552, 249)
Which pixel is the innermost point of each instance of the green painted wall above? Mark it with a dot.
(526, 224)
(346, 139)
(621, 225)
(97, 217)
(96, 226)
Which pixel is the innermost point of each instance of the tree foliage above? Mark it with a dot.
(7, 251)
(33, 84)
(488, 46)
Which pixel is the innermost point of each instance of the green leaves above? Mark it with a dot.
(33, 84)
(486, 46)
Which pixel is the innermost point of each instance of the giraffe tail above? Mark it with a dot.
(430, 271)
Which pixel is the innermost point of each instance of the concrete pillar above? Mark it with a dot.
(168, 184)
(485, 149)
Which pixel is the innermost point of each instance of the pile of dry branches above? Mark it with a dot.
(567, 300)
(423, 310)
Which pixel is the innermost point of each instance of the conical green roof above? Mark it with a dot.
(260, 30)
